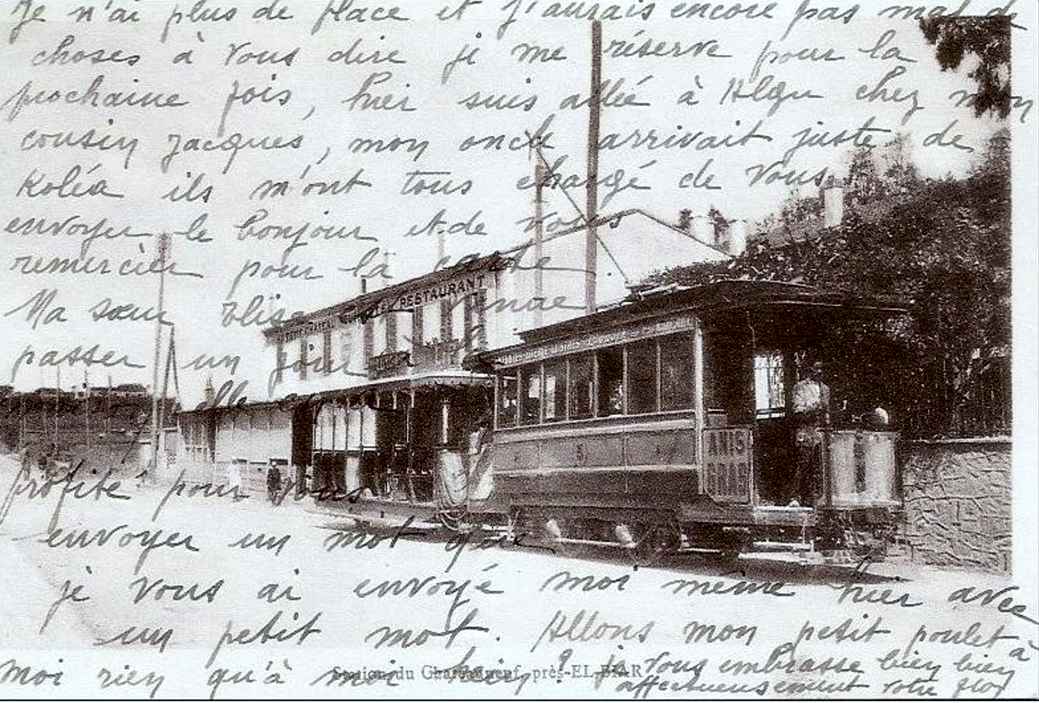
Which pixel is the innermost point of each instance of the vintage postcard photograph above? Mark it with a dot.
(518, 349)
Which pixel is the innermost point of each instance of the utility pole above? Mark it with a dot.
(57, 408)
(164, 245)
(539, 240)
(591, 186)
(171, 356)
(86, 405)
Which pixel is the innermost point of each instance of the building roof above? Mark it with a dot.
(358, 306)
(714, 297)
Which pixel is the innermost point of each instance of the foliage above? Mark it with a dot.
(985, 38)
(942, 245)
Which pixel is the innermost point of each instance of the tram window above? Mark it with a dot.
(530, 392)
(507, 401)
(769, 384)
(677, 372)
(611, 381)
(555, 391)
(581, 386)
(642, 377)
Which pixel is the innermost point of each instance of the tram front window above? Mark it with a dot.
(582, 386)
(507, 402)
(611, 381)
(530, 392)
(642, 377)
(555, 391)
(677, 372)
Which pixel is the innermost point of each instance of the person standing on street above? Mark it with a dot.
(274, 483)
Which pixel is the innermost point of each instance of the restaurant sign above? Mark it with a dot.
(727, 463)
(597, 340)
(448, 290)
(294, 329)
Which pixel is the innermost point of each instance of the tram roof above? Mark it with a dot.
(715, 297)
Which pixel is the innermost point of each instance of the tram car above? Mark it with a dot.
(665, 424)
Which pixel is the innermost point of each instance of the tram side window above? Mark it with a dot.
(582, 386)
(642, 377)
(555, 391)
(507, 401)
(677, 372)
(530, 392)
(769, 398)
(611, 381)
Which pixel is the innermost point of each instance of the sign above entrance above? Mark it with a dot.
(598, 340)
(388, 364)
(448, 290)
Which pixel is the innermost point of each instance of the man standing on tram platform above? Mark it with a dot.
(810, 411)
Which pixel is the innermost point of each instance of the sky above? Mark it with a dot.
(479, 188)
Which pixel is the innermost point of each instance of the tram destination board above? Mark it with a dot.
(681, 323)
(727, 464)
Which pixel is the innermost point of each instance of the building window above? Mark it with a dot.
(611, 381)
(582, 386)
(379, 340)
(642, 377)
(445, 320)
(416, 329)
(507, 386)
(459, 330)
(677, 372)
(555, 391)
(346, 350)
(469, 321)
(391, 331)
(430, 322)
(280, 361)
(530, 395)
(369, 341)
(480, 303)
(769, 384)
(327, 357)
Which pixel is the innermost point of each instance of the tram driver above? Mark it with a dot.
(810, 411)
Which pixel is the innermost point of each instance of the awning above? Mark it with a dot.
(400, 383)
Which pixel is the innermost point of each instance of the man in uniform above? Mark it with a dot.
(810, 410)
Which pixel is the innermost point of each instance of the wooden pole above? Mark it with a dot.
(591, 187)
(57, 408)
(164, 243)
(86, 405)
(171, 356)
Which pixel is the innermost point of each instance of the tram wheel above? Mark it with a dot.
(656, 542)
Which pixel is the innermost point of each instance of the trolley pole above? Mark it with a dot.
(591, 186)
(539, 239)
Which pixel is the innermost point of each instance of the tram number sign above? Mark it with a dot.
(727, 463)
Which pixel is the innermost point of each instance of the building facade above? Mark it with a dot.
(369, 397)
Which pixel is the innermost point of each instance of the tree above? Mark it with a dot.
(987, 38)
(941, 245)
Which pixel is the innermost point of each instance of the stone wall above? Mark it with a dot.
(957, 501)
